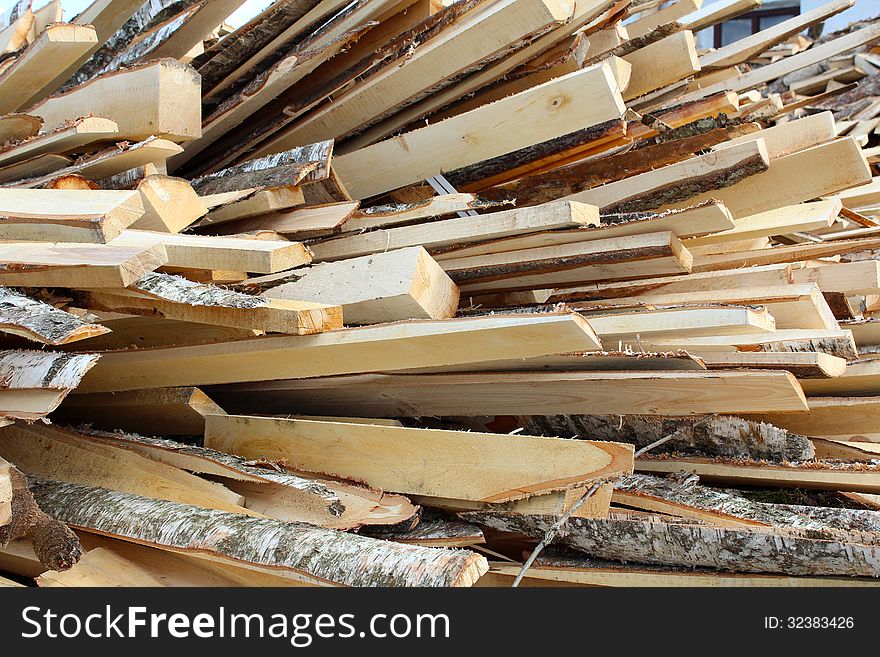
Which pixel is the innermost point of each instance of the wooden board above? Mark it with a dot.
(846, 418)
(250, 203)
(25, 81)
(460, 230)
(225, 253)
(802, 365)
(835, 343)
(385, 287)
(157, 99)
(862, 378)
(83, 132)
(43, 215)
(40, 322)
(661, 63)
(532, 393)
(786, 138)
(170, 204)
(100, 568)
(394, 346)
(56, 265)
(498, 468)
(308, 222)
(671, 14)
(584, 98)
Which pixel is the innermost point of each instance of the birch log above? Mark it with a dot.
(40, 322)
(721, 435)
(756, 550)
(55, 545)
(316, 555)
(34, 383)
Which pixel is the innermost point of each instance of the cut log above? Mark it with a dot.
(34, 383)
(92, 463)
(417, 461)
(385, 287)
(461, 230)
(395, 346)
(224, 253)
(726, 436)
(177, 298)
(40, 322)
(311, 554)
(26, 80)
(532, 393)
(812, 474)
(161, 412)
(38, 264)
(157, 99)
(303, 164)
(680, 182)
(485, 132)
(768, 550)
(94, 216)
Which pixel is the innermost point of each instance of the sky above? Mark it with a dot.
(73, 7)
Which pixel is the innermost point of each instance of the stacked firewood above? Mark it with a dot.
(391, 293)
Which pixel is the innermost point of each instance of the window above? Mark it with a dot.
(751, 23)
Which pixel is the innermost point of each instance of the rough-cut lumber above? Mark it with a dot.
(165, 411)
(54, 546)
(793, 136)
(100, 568)
(26, 80)
(83, 132)
(803, 365)
(93, 216)
(40, 322)
(530, 393)
(417, 461)
(90, 265)
(19, 127)
(288, 168)
(680, 182)
(235, 206)
(848, 418)
(671, 14)
(718, 435)
(813, 172)
(375, 289)
(17, 27)
(313, 555)
(661, 63)
(433, 532)
(170, 204)
(34, 383)
(544, 267)
(224, 253)
(583, 98)
(309, 222)
(742, 50)
(91, 463)
(157, 99)
(387, 216)
(37, 166)
(477, 37)
(782, 254)
(5, 493)
(814, 475)
(177, 298)
(761, 550)
(835, 343)
(131, 332)
(393, 346)
(862, 378)
(460, 230)
(593, 361)
(691, 321)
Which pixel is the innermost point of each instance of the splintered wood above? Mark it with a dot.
(381, 287)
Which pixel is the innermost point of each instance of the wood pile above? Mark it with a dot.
(391, 293)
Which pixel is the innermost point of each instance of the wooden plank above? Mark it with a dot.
(148, 332)
(792, 253)
(835, 343)
(176, 298)
(845, 418)
(802, 365)
(170, 204)
(93, 216)
(37, 321)
(630, 327)
(804, 217)
(716, 12)
(743, 49)
(671, 14)
(161, 412)
(160, 99)
(460, 230)
(862, 378)
(37, 166)
(5, 494)
(532, 393)
(792, 136)
(812, 475)
(308, 222)
(661, 63)
(36, 264)
(418, 460)
(25, 81)
(394, 346)
(35, 382)
(100, 568)
(227, 253)
(292, 549)
(595, 361)
(484, 133)
(18, 29)
(397, 214)
(386, 287)
(83, 132)
(235, 206)
(681, 182)
(19, 127)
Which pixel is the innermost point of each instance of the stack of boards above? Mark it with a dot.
(388, 290)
